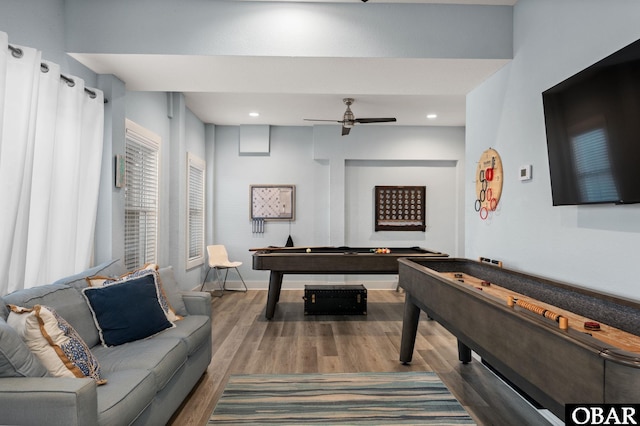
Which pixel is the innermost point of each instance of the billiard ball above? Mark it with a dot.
(308, 250)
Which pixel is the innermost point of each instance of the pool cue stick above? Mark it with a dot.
(289, 248)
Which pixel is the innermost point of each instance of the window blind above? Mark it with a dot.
(593, 166)
(141, 199)
(195, 210)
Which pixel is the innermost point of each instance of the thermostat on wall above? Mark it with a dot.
(525, 172)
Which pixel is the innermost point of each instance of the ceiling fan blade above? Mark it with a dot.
(345, 130)
(375, 120)
(319, 119)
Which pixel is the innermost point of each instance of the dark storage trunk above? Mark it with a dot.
(335, 300)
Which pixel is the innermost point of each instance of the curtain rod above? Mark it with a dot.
(16, 52)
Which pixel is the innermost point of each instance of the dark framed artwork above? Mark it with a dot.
(400, 208)
(273, 202)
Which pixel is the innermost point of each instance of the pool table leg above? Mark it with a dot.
(464, 353)
(409, 329)
(275, 284)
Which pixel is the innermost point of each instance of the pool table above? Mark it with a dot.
(328, 260)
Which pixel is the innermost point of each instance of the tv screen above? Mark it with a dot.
(593, 132)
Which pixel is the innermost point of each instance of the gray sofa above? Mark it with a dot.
(147, 379)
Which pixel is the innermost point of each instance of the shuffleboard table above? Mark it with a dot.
(532, 330)
(328, 260)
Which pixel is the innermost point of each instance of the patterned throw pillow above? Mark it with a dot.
(54, 342)
(100, 281)
(127, 310)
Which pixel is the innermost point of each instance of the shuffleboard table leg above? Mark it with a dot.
(275, 284)
(409, 329)
(464, 353)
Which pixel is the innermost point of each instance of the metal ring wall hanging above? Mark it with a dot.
(489, 179)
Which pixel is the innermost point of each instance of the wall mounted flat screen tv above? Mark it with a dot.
(593, 132)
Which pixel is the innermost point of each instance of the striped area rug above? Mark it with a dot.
(417, 398)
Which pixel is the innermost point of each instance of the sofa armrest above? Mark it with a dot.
(197, 302)
(48, 400)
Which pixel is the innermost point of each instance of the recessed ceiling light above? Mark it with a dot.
(432, 116)
(254, 114)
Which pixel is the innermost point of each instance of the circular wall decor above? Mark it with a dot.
(488, 182)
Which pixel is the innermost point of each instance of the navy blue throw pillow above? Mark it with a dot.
(127, 311)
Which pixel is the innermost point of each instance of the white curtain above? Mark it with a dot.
(51, 135)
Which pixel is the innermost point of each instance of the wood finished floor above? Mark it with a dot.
(244, 342)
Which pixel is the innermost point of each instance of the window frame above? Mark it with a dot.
(195, 207)
(144, 246)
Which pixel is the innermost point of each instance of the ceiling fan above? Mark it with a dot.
(349, 120)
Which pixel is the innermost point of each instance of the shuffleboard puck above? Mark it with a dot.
(591, 325)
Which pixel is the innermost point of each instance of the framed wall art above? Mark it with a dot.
(400, 208)
(272, 202)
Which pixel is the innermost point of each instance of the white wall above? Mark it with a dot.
(591, 246)
(40, 25)
(305, 29)
(290, 162)
(334, 178)
(439, 177)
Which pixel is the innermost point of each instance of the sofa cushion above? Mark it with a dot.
(125, 397)
(162, 357)
(127, 311)
(193, 330)
(16, 360)
(4, 312)
(54, 342)
(110, 268)
(172, 290)
(66, 301)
